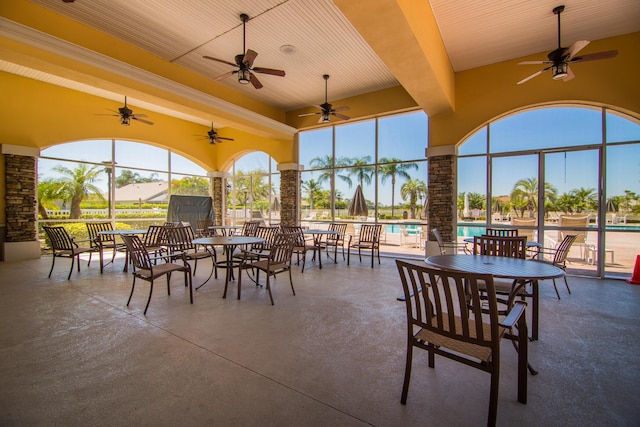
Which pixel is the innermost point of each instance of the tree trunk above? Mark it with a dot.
(74, 212)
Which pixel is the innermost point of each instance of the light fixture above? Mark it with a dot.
(125, 120)
(244, 76)
(559, 70)
(326, 117)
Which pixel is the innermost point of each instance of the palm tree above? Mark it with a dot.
(77, 184)
(412, 190)
(326, 165)
(525, 194)
(391, 169)
(584, 199)
(313, 190)
(47, 192)
(362, 169)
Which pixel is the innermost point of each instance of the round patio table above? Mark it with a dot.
(516, 269)
(317, 242)
(229, 243)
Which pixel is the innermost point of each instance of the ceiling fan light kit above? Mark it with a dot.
(244, 62)
(126, 115)
(326, 109)
(560, 58)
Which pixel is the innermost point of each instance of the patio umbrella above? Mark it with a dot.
(358, 205)
(425, 208)
(275, 206)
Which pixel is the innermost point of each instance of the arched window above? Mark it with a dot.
(539, 167)
(254, 191)
(123, 181)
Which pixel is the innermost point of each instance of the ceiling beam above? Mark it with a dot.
(405, 35)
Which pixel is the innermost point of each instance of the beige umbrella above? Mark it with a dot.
(358, 205)
(275, 206)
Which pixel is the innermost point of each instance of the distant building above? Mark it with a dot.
(145, 192)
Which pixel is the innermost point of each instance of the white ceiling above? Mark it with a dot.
(475, 33)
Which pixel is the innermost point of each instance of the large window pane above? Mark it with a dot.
(135, 154)
(622, 129)
(472, 192)
(183, 165)
(315, 144)
(475, 144)
(514, 181)
(546, 128)
(356, 141)
(402, 137)
(95, 151)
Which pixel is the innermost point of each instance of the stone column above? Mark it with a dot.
(442, 192)
(21, 241)
(218, 193)
(289, 193)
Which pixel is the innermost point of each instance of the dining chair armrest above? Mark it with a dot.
(514, 314)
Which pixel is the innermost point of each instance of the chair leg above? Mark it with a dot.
(149, 299)
(52, 264)
(133, 285)
(493, 396)
(73, 259)
(566, 284)
(269, 287)
(291, 281)
(407, 374)
(348, 255)
(556, 288)
(187, 274)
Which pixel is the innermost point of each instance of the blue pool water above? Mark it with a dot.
(395, 228)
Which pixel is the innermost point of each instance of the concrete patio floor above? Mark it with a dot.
(72, 353)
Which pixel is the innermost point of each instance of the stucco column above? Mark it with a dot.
(289, 193)
(442, 194)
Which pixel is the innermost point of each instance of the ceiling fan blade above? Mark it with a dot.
(269, 71)
(342, 116)
(595, 56)
(577, 47)
(225, 75)
(225, 139)
(139, 115)
(570, 74)
(308, 114)
(249, 57)
(255, 82)
(534, 62)
(220, 60)
(536, 74)
(147, 122)
(343, 108)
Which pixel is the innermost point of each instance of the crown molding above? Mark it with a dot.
(23, 34)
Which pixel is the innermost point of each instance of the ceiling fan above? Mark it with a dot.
(327, 109)
(244, 63)
(213, 137)
(560, 58)
(126, 115)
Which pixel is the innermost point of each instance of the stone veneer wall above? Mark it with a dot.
(20, 195)
(217, 200)
(289, 197)
(442, 200)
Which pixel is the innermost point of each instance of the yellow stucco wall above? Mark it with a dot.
(486, 93)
